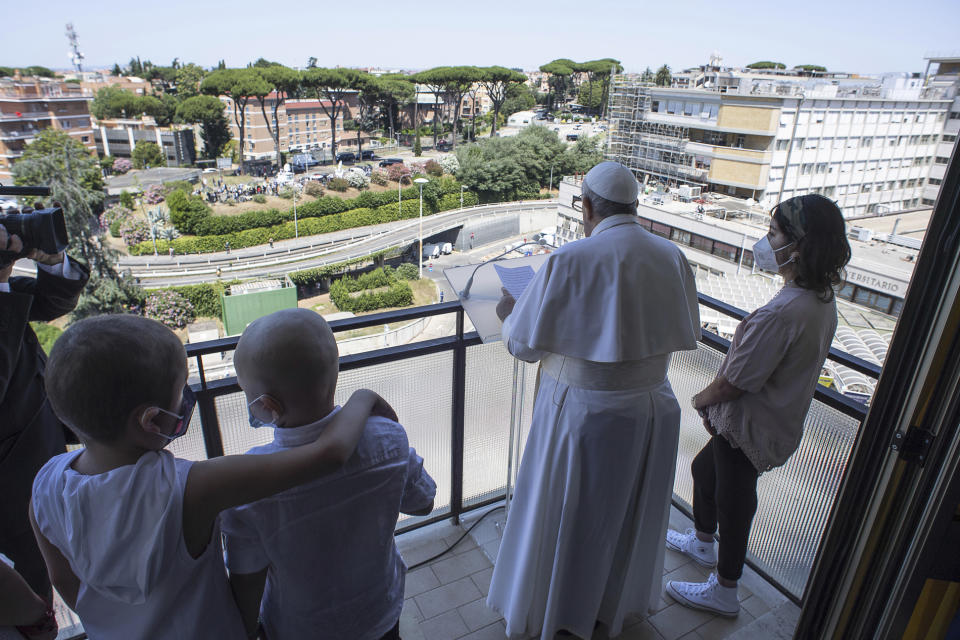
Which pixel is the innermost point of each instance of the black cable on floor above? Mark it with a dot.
(459, 540)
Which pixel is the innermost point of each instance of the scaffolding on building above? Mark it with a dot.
(652, 150)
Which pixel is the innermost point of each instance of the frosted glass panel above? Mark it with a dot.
(794, 500)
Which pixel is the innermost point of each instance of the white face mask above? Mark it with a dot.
(257, 421)
(765, 256)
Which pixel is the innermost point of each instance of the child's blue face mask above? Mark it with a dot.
(187, 406)
(259, 415)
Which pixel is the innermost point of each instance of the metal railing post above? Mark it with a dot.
(457, 435)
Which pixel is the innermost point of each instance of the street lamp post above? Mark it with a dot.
(399, 195)
(296, 226)
(550, 188)
(421, 182)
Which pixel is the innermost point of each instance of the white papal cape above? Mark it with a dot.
(584, 539)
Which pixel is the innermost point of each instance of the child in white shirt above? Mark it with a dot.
(130, 534)
(319, 560)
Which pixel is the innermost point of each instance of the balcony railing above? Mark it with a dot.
(454, 394)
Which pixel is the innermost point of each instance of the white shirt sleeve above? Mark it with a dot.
(63, 269)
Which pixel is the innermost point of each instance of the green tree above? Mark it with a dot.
(311, 62)
(392, 91)
(188, 79)
(37, 70)
(284, 82)
(435, 80)
(240, 85)
(519, 98)
(114, 102)
(206, 111)
(365, 118)
(330, 87)
(663, 77)
(766, 64)
(117, 71)
(62, 163)
(497, 80)
(458, 82)
(589, 97)
(647, 75)
(561, 73)
(815, 68)
(148, 154)
(500, 169)
(417, 147)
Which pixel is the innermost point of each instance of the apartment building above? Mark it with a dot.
(869, 144)
(29, 105)
(303, 124)
(118, 137)
(946, 77)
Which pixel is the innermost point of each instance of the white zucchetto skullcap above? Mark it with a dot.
(613, 181)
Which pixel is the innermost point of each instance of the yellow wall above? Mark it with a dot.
(750, 118)
(744, 173)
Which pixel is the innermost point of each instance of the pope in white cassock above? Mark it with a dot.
(584, 540)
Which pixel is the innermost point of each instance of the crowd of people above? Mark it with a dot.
(295, 539)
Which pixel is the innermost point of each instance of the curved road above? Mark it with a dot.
(311, 251)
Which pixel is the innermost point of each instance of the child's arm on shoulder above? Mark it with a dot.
(247, 592)
(220, 483)
(19, 605)
(58, 567)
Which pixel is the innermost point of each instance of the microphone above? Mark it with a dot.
(465, 293)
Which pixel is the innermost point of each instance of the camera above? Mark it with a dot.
(43, 229)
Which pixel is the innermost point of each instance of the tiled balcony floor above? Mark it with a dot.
(445, 600)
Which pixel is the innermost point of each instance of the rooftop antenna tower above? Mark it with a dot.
(76, 57)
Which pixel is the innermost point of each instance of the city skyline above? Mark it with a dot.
(528, 36)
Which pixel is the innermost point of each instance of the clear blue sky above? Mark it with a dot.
(843, 35)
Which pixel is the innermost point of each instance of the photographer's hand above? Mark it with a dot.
(45, 258)
(39, 256)
(8, 243)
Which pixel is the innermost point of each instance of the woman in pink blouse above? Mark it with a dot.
(755, 408)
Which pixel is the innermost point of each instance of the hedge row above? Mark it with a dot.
(205, 297)
(311, 226)
(312, 276)
(397, 294)
(190, 215)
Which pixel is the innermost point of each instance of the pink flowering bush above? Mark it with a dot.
(396, 171)
(134, 231)
(170, 308)
(154, 194)
(122, 165)
(112, 217)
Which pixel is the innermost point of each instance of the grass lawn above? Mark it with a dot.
(424, 292)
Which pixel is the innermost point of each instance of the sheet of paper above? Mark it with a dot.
(515, 279)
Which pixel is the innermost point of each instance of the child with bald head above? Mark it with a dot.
(319, 561)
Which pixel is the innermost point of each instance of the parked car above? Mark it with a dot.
(446, 248)
(443, 145)
(367, 154)
(346, 156)
(573, 137)
(386, 162)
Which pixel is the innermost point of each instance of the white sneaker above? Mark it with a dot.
(709, 596)
(687, 543)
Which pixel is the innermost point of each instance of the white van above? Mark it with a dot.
(446, 248)
(431, 251)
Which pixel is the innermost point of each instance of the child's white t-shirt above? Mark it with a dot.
(122, 533)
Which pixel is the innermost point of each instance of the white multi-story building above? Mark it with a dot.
(868, 143)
